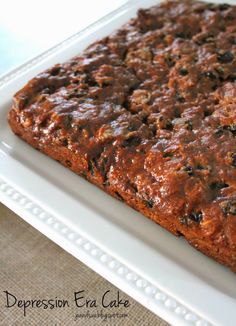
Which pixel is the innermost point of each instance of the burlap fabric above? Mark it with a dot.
(33, 267)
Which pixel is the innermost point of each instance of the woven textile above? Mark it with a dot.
(33, 267)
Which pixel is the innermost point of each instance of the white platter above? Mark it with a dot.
(160, 271)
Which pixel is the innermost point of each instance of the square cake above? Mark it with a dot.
(148, 114)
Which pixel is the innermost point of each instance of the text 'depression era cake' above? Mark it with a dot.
(149, 115)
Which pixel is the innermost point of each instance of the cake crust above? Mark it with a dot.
(148, 114)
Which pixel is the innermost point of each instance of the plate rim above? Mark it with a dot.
(97, 258)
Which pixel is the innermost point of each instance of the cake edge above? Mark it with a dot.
(63, 155)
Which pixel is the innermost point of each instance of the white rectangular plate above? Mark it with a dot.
(160, 271)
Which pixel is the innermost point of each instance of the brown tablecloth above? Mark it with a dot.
(34, 268)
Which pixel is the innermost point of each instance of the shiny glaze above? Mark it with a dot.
(152, 111)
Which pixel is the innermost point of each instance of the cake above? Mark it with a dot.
(148, 114)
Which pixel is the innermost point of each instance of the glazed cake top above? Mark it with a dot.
(152, 107)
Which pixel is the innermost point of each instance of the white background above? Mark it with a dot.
(28, 27)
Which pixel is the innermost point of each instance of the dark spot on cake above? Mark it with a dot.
(168, 154)
(179, 234)
(232, 129)
(145, 120)
(168, 125)
(200, 167)
(68, 163)
(22, 101)
(170, 60)
(188, 169)
(233, 156)
(103, 165)
(207, 113)
(223, 6)
(218, 185)
(118, 195)
(233, 40)
(225, 57)
(220, 70)
(182, 35)
(180, 98)
(149, 203)
(91, 166)
(177, 113)
(131, 127)
(55, 70)
(214, 87)
(231, 78)
(184, 220)
(183, 71)
(210, 75)
(75, 74)
(132, 141)
(203, 167)
(67, 121)
(106, 183)
(64, 142)
(228, 207)
(219, 131)
(188, 125)
(195, 217)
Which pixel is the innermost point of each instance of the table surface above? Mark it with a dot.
(31, 266)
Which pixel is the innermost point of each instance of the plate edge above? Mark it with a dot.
(148, 294)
